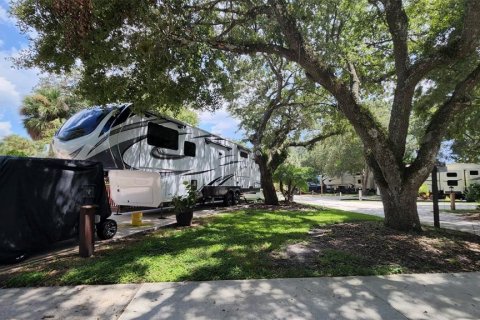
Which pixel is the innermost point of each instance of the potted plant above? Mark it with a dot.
(183, 205)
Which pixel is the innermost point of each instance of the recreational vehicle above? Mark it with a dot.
(455, 177)
(347, 183)
(148, 157)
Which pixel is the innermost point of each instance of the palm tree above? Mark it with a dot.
(46, 109)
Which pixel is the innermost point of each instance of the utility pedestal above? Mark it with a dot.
(436, 214)
(87, 230)
(452, 200)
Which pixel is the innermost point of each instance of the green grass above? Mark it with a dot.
(228, 246)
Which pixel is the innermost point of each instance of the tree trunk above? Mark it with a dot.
(400, 208)
(266, 180)
(365, 177)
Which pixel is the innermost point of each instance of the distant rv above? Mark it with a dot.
(456, 177)
(348, 183)
(148, 157)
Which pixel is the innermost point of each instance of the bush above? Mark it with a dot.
(423, 191)
(472, 193)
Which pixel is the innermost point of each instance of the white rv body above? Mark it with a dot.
(348, 181)
(456, 177)
(149, 157)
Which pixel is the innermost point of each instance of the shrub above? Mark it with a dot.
(472, 193)
(423, 191)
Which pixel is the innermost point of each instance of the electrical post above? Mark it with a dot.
(452, 199)
(436, 214)
(87, 223)
(87, 231)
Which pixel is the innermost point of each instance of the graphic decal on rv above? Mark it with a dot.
(204, 136)
(124, 146)
(112, 157)
(230, 176)
(198, 172)
(75, 153)
(98, 144)
(229, 163)
(130, 127)
(159, 154)
(214, 180)
(208, 141)
(168, 172)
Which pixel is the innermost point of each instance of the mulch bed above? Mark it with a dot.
(374, 245)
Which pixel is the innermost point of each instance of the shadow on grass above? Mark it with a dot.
(228, 246)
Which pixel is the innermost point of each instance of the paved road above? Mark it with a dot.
(447, 220)
(421, 296)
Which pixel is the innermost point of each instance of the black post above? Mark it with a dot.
(436, 215)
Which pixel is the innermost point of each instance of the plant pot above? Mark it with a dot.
(184, 218)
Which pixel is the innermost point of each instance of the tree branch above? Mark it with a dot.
(397, 22)
(311, 142)
(437, 128)
(458, 47)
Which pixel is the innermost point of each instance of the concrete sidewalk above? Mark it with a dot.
(420, 296)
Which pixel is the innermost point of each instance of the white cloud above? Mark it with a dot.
(15, 83)
(5, 129)
(220, 122)
(9, 96)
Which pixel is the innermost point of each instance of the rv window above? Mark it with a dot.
(474, 173)
(82, 123)
(243, 154)
(189, 149)
(452, 183)
(162, 137)
(451, 174)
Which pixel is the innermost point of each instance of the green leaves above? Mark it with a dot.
(15, 145)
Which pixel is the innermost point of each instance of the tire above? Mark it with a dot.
(237, 197)
(229, 199)
(107, 229)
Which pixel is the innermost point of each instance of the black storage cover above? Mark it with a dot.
(40, 201)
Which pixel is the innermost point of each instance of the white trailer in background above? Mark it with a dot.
(456, 177)
(348, 183)
(148, 157)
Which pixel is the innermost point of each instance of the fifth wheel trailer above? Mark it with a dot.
(148, 157)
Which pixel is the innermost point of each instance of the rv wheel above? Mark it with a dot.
(229, 199)
(237, 197)
(106, 229)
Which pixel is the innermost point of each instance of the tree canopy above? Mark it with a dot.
(15, 145)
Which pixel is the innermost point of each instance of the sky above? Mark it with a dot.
(16, 83)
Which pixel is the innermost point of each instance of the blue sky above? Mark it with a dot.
(16, 83)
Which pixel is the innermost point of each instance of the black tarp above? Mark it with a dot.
(40, 201)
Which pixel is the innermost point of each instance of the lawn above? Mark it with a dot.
(260, 243)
